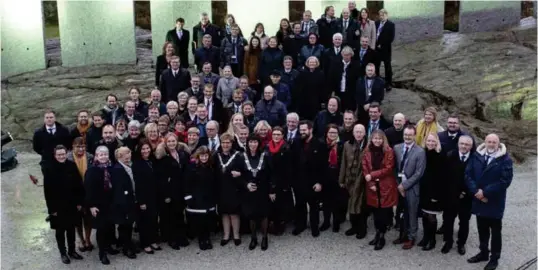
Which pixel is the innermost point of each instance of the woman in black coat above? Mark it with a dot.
(144, 175)
(281, 166)
(230, 166)
(163, 61)
(334, 197)
(270, 60)
(200, 196)
(310, 90)
(260, 189)
(431, 190)
(98, 186)
(171, 159)
(124, 208)
(64, 195)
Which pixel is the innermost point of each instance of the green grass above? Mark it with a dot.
(52, 31)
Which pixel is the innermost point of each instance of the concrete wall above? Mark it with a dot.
(97, 32)
(416, 20)
(164, 15)
(478, 16)
(23, 47)
(270, 13)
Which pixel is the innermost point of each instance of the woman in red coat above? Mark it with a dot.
(381, 187)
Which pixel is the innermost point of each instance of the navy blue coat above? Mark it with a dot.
(493, 178)
(273, 111)
(211, 55)
(449, 144)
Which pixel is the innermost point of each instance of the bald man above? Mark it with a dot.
(395, 133)
(487, 176)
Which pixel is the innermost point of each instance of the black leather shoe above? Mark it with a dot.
(492, 264)
(380, 243)
(446, 248)
(74, 255)
(429, 246)
(265, 243)
(440, 231)
(174, 246)
(129, 254)
(183, 242)
(351, 231)
(336, 227)
(237, 242)
(461, 249)
(202, 245)
(224, 242)
(65, 259)
(104, 259)
(297, 231)
(325, 226)
(208, 244)
(361, 235)
(315, 232)
(253, 243)
(422, 242)
(113, 251)
(480, 257)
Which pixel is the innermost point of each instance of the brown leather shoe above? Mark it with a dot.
(408, 244)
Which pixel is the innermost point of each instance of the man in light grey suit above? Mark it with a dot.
(411, 162)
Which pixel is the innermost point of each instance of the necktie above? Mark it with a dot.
(175, 73)
(379, 29)
(207, 103)
(345, 25)
(213, 144)
(236, 109)
(337, 50)
(51, 131)
(289, 136)
(486, 158)
(362, 53)
(402, 163)
(463, 158)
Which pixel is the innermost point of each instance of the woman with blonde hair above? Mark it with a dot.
(236, 119)
(310, 89)
(182, 98)
(428, 124)
(381, 188)
(151, 132)
(172, 110)
(193, 139)
(121, 130)
(264, 131)
(432, 185)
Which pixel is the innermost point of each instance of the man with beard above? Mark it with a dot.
(248, 93)
(195, 90)
(307, 179)
(131, 113)
(95, 132)
(134, 136)
(174, 80)
(291, 132)
(346, 132)
(331, 115)
(48, 136)
(449, 138)
(207, 76)
(110, 141)
(370, 88)
(112, 110)
(190, 114)
(203, 28)
(82, 126)
(201, 120)
(156, 101)
(395, 133)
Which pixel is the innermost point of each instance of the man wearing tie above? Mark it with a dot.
(180, 38)
(366, 55)
(212, 140)
(174, 80)
(385, 37)
(50, 135)
(332, 54)
(232, 51)
(291, 132)
(370, 88)
(449, 138)
(308, 25)
(411, 161)
(214, 105)
(377, 121)
(488, 175)
(458, 199)
(347, 26)
(342, 79)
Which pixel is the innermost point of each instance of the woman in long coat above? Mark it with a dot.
(310, 90)
(351, 179)
(230, 165)
(258, 183)
(381, 187)
(144, 175)
(64, 195)
(251, 62)
(432, 186)
(98, 186)
(271, 59)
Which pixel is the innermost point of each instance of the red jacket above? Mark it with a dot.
(388, 188)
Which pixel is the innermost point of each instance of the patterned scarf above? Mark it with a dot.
(107, 179)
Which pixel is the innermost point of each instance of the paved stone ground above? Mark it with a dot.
(28, 243)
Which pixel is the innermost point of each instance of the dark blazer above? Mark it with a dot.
(377, 94)
(350, 38)
(94, 135)
(171, 177)
(123, 208)
(295, 140)
(382, 124)
(329, 57)
(386, 37)
(97, 196)
(44, 143)
(455, 181)
(334, 77)
(433, 181)
(181, 46)
(325, 118)
(198, 33)
(145, 177)
(326, 30)
(227, 51)
(292, 46)
(217, 109)
(448, 143)
(161, 66)
(270, 60)
(309, 166)
(108, 115)
(368, 57)
(211, 55)
(310, 93)
(136, 116)
(170, 86)
(198, 95)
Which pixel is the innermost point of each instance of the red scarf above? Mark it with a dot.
(333, 155)
(182, 136)
(274, 148)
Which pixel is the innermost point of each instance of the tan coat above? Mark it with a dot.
(250, 66)
(370, 32)
(351, 176)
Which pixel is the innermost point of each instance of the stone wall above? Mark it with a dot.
(416, 20)
(478, 16)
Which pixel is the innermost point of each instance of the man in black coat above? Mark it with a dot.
(308, 177)
(349, 29)
(205, 27)
(385, 30)
(458, 199)
(293, 43)
(131, 113)
(180, 39)
(174, 80)
(50, 135)
(110, 141)
(195, 90)
(232, 51)
(332, 54)
(370, 88)
(365, 55)
(214, 106)
(376, 121)
(395, 133)
(207, 53)
(291, 131)
(450, 137)
(342, 79)
(95, 132)
(112, 110)
(327, 27)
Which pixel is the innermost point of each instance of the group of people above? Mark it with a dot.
(207, 152)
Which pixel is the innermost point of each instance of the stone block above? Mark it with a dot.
(416, 20)
(477, 16)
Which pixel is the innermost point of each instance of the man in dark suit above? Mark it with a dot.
(131, 113)
(174, 80)
(365, 55)
(458, 198)
(291, 132)
(370, 88)
(449, 138)
(349, 29)
(293, 43)
(232, 51)
(195, 90)
(215, 109)
(308, 25)
(326, 27)
(205, 27)
(110, 141)
(385, 30)
(377, 121)
(332, 54)
(180, 38)
(342, 79)
(50, 135)
(207, 53)
(112, 110)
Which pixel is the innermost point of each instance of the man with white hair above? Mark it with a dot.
(308, 25)
(487, 176)
(395, 133)
(348, 27)
(333, 53)
(291, 132)
(131, 113)
(212, 140)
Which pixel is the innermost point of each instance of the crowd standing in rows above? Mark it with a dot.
(269, 131)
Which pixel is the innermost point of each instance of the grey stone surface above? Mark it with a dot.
(28, 243)
(489, 20)
(417, 28)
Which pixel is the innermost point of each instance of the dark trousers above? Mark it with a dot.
(202, 224)
(280, 209)
(61, 235)
(172, 222)
(398, 216)
(486, 227)
(147, 227)
(385, 57)
(334, 203)
(347, 99)
(463, 212)
(125, 232)
(382, 217)
(105, 235)
(303, 197)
